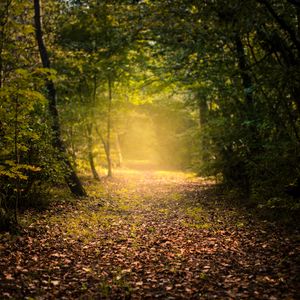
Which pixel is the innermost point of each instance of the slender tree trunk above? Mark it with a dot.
(108, 154)
(104, 144)
(89, 128)
(246, 79)
(203, 115)
(1, 60)
(71, 177)
(203, 112)
(72, 145)
(3, 21)
(298, 22)
(254, 144)
(17, 161)
(118, 147)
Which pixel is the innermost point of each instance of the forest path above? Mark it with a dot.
(148, 235)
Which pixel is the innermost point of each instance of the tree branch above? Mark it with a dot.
(282, 23)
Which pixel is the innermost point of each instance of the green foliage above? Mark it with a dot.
(27, 159)
(240, 60)
(216, 83)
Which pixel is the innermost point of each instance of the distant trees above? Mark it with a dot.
(99, 37)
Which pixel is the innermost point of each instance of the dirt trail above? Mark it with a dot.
(149, 235)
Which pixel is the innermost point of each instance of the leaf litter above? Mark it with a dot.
(149, 236)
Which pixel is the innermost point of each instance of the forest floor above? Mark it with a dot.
(149, 235)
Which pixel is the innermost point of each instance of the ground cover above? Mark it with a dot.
(149, 235)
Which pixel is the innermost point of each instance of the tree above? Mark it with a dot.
(71, 177)
(25, 155)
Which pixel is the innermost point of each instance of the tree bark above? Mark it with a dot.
(104, 144)
(246, 79)
(4, 19)
(203, 116)
(119, 151)
(89, 128)
(72, 146)
(254, 144)
(71, 177)
(108, 150)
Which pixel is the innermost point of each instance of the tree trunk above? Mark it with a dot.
(4, 14)
(17, 160)
(203, 115)
(89, 128)
(252, 135)
(108, 150)
(72, 146)
(119, 151)
(246, 79)
(104, 144)
(71, 177)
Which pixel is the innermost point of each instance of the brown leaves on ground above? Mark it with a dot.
(154, 235)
